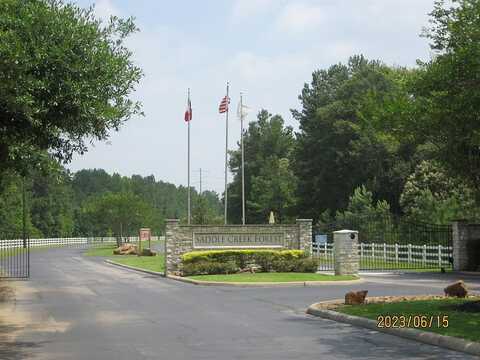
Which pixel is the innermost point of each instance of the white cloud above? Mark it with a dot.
(300, 17)
(105, 8)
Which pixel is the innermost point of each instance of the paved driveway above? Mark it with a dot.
(76, 307)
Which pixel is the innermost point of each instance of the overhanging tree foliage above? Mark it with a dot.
(64, 77)
(447, 89)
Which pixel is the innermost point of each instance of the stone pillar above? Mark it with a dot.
(345, 247)
(460, 244)
(171, 229)
(305, 234)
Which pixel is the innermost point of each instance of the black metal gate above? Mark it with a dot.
(14, 257)
(390, 243)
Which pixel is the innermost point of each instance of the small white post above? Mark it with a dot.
(439, 255)
(373, 250)
(424, 254)
(396, 252)
(361, 250)
(409, 253)
(384, 252)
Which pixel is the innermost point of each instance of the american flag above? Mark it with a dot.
(224, 104)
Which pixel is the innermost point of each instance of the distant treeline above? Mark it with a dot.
(95, 203)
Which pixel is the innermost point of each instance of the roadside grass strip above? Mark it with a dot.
(271, 277)
(449, 316)
(151, 263)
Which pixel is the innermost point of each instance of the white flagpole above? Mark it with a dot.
(243, 160)
(226, 155)
(188, 162)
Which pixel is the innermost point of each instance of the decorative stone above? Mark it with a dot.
(355, 297)
(126, 249)
(457, 289)
(148, 252)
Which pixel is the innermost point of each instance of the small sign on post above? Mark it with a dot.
(144, 234)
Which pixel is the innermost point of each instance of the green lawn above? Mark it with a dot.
(380, 264)
(153, 263)
(461, 324)
(271, 277)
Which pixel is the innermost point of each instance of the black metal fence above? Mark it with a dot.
(389, 243)
(14, 256)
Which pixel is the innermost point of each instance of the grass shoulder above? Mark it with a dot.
(463, 321)
(271, 277)
(152, 263)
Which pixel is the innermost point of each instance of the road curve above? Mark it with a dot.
(77, 307)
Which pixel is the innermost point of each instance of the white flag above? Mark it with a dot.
(242, 110)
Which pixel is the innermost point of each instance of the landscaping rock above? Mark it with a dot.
(148, 252)
(126, 249)
(251, 268)
(457, 289)
(355, 297)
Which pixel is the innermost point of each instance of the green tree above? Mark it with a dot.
(447, 87)
(273, 189)
(120, 213)
(269, 181)
(338, 147)
(203, 213)
(51, 204)
(361, 205)
(64, 76)
(432, 195)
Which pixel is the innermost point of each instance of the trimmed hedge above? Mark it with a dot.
(209, 268)
(229, 261)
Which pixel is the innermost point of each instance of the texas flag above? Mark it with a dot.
(188, 112)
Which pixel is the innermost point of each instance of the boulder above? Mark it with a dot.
(148, 252)
(458, 289)
(126, 249)
(355, 297)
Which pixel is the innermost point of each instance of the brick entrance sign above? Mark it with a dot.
(180, 239)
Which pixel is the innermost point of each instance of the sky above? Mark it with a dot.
(266, 49)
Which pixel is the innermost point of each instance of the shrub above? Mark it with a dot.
(242, 258)
(306, 265)
(209, 268)
(267, 260)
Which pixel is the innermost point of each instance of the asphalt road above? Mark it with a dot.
(81, 308)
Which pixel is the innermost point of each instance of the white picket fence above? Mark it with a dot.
(395, 253)
(71, 241)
